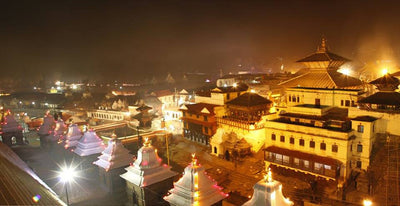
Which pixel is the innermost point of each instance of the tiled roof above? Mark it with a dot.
(383, 98)
(323, 79)
(18, 184)
(196, 108)
(249, 99)
(386, 79)
(323, 56)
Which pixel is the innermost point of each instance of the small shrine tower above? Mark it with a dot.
(148, 180)
(268, 192)
(73, 136)
(195, 188)
(112, 163)
(88, 148)
(10, 128)
(46, 128)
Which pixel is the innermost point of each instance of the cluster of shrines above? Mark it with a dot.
(148, 181)
(324, 124)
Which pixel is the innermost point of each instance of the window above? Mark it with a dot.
(297, 120)
(306, 164)
(290, 98)
(341, 102)
(273, 136)
(323, 146)
(228, 96)
(291, 140)
(335, 148)
(312, 144)
(318, 166)
(296, 161)
(318, 102)
(301, 142)
(197, 116)
(282, 138)
(347, 103)
(359, 148)
(359, 164)
(360, 128)
(278, 157)
(327, 167)
(205, 118)
(298, 99)
(352, 103)
(206, 130)
(215, 150)
(285, 159)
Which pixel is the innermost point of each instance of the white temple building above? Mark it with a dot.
(73, 136)
(195, 188)
(114, 156)
(47, 126)
(89, 144)
(268, 192)
(148, 180)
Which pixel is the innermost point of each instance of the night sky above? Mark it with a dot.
(139, 39)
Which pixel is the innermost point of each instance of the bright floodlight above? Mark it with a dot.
(235, 84)
(384, 71)
(345, 71)
(367, 202)
(67, 174)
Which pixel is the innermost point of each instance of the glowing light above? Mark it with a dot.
(384, 71)
(253, 91)
(273, 195)
(235, 85)
(367, 202)
(67, 174)
(74, 86)
(36, 198)
(58, 83)
(33, 103)
(345, 71)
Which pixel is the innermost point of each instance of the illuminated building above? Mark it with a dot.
(73, 136)
(199, 121)
(243, 117)
(111, 164)
(107, 115)
(268, 192)
(195, 188)
(147, 179)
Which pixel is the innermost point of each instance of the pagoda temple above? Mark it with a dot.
(89, 144)
(10, 128)
(144, 116)
(386, 99)
(148, 180)
(111, 164)
(322, 71)
(195, 188)
(73, 136)
(46, 128)
(268, 192)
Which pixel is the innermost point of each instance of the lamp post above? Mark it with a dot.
(67, 175)
(166, 138)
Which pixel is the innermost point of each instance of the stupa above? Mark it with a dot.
(112, 163)
(46, 128)
(195, 188)
(73, 136)
(148, 180)
(10, 128)
(89, 144)
(268, 192)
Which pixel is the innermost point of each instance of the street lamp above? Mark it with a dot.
(367, 203)
(67, 175)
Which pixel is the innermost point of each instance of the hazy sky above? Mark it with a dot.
(135, 39)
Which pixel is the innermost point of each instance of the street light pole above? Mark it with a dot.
(66, 193)
(166, 139)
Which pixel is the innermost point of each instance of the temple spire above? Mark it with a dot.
(322, 47)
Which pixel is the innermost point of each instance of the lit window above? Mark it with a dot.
(306, 164)
(296, 161)
(318, 166)
(328, 167)
(285, 159)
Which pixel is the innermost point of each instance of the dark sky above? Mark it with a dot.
(140, 39)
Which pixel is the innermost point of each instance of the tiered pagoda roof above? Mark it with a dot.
(147, 168)
(322, 71)
(387, 84)
(48, 125)
(89, 144)
(268, 192)
(195, 188)
(114, 156)
(73, 136)
(249, 99)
